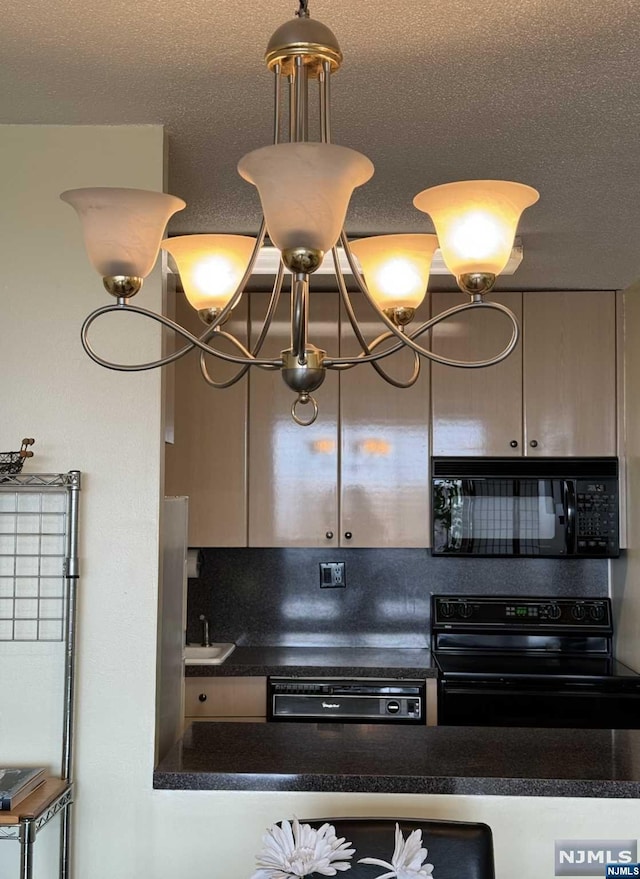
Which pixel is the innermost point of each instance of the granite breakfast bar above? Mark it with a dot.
(383, 758)
(389, 758)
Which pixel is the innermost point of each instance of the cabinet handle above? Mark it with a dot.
(202, 697)
(514, 444)
(348, 535)
(534, 444)
(329, 535)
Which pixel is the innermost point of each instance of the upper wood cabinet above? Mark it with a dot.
(554, 395)
(293, 470)
(359, 475)
(207, 461)
(476, 411)
(384, 473)
(570, 373)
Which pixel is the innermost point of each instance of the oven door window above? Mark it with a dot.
(536, 704)
(514, 517)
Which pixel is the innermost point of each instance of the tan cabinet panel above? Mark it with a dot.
(385, 446)
(207, 461)
(476, 411)
(226, 697)
(293, 470)
(570, 373)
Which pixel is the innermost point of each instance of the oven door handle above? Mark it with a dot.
(569, 500)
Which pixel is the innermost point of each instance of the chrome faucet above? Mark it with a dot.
(205, 630)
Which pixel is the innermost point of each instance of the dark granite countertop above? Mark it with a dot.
(327, 661)
(404, 759)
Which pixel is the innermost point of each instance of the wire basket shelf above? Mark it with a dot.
(11, 462)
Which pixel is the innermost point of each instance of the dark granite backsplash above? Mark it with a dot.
(273, 597)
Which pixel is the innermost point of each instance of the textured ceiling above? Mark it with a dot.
(540, 91)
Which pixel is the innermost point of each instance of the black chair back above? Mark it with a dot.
(457, 849)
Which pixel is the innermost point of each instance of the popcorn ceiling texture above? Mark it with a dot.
(530, 90)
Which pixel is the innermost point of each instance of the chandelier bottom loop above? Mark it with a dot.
(302, 400)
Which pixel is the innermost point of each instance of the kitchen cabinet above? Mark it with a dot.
(207, 460)
(476, 411)
(226, 698)
(359, 475)
(569, 362)
(554, 395)
(384, 437)
(293, 470)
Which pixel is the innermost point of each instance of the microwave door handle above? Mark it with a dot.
(570, 515)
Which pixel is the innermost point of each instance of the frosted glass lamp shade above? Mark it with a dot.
(122, 227)
(211, 266)
(396, 267)
(305, 190)
(475, 221)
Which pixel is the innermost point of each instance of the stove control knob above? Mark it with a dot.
(596, 612)
(578, 612)
(554, 612)
(465, 610)
(393, 707)
(446, 608)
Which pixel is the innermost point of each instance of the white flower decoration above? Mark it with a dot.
(293, 852)
(408, 858)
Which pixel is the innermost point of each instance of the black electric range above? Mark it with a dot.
(512, 661)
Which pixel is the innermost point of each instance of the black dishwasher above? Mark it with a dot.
(339, 700)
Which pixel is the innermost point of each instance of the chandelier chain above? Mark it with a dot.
(303, 9)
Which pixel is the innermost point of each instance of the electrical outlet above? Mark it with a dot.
(332, 575)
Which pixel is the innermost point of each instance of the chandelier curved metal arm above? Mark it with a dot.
(407, 339)
(193, 342)
(340, 362)
(367, 349)
(271, 310)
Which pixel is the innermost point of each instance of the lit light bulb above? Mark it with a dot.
(399, 280)
(211, 266)
(214, 277)
(396, 267)
(476, 221)
(477, 236)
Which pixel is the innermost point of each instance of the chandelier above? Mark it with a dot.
(305, 186)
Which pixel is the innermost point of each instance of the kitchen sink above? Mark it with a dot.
(215, 654)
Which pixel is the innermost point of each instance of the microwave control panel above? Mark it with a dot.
(596, 516)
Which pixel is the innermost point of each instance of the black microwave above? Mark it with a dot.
(525, 507)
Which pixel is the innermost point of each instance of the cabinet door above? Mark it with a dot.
(207, 461)
(293, 470)
(476, 411)
(232, 698)
(570, 373)
(385, 445)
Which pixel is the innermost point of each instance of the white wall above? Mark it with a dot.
(108, 425)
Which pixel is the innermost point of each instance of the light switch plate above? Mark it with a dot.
(332, 575)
